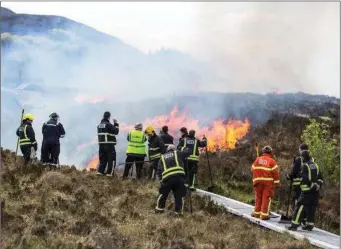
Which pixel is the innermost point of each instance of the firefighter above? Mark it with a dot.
(172, 175)
(307, 202)
(295, 174)
(184, 133)
(52, 131)
(265, 177)
(192, 161)
(106, 133)
(27, 140)
(136, 151)
(166, 138)
(156, 147)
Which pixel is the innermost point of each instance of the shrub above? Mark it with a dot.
(324, 149)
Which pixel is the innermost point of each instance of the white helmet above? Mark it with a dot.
(171, 147)
(138, 126)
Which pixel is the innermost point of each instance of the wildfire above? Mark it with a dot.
(92, 165)
(221, 134)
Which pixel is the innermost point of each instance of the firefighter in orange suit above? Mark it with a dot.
(265, 177)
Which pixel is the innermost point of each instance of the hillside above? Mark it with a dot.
(73, 209)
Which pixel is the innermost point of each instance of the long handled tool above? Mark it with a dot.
(16, 151)
(210, 188)
(188, 188)
(257, 149)
(285, 218)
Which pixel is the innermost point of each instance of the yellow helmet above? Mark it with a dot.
(149, 130)
(28, 116)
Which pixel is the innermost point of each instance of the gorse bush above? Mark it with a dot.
(324, 149)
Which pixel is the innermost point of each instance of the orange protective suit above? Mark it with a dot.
(265, 179)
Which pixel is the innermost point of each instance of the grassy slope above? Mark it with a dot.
(73, 209)
(231, 170)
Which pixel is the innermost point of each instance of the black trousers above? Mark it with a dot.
(105, 154)
(50, 152)
(176, 184)
(305, 208)
(26, 151)
(191, 171)
(129, 163)
(153, 168)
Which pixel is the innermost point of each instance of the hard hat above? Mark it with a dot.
(149, 130)
(54, 115)
(138, 126)
(267, 149)
(171, 147)
(183, 129)
(28, 116)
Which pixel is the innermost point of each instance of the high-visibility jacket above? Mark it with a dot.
(295, 174)
(193, 144)
(136, 143)
(172, 164)
(26, 135)
(265, 169)
(106, 132)
(156, 147)
(311, 175)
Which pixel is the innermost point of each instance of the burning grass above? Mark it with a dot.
(73, 209)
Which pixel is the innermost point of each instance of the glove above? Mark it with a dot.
(35, 147)
(115, 121)
(315, 186)
(204, 137)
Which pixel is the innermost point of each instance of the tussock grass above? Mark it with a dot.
(70, 209)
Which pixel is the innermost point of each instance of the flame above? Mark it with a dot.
(221, 134)
(92, 165)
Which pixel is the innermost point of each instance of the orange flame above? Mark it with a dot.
(221, 134)
(92, 165)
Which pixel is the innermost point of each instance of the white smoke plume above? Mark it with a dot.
(256, 47)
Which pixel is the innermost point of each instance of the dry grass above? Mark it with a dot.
(232, 175)
(72, 209)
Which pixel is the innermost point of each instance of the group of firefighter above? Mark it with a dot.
(176, 166)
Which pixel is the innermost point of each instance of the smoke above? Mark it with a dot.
(80, 74)
(80, 77)
(257, 47)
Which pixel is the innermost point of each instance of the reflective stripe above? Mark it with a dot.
(263, 179)
(105, 134)
(256, 212)
(269, 205)
(264, 214)
(194, 157)
(50, 125)
(26, 140)
(264, 168)
(309, 223)
(157, 204)
(154, 148)
(298, 215)
(276, 181)
(296, 181)
(177, 170)
(155, 156)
